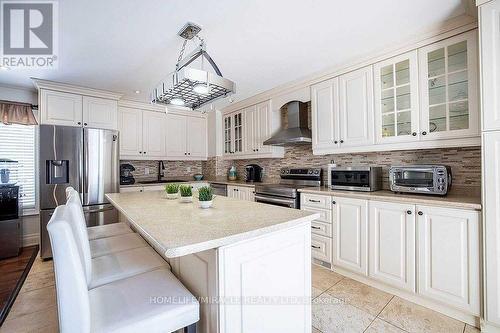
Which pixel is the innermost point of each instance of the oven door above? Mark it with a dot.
(276, 201)
(416, 179)
(350, 179)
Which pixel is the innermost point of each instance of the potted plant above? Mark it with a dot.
(172, 191)
(186, 193)
(205, 196)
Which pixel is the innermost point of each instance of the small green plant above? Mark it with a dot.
(205, 193)
(172, 188)
(185, 191)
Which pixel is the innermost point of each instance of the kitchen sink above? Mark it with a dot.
(163, 181)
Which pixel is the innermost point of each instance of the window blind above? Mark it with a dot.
(17, 142)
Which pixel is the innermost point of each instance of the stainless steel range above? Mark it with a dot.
(285, 193)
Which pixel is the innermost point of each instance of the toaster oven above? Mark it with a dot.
(427, 179)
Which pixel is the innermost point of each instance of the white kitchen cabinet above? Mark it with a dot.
(356, 108)
(100, 113)
(489, 26)
(324, 113)
(153, 134)
(197, 137)
(491, 232)
(350, 229)
(251, 129)
(241, 192)
(263, 131)
(392, 244)
(396, 99)
(186, 137)
(321, 248)
(130, 127)
(448, 88)
(234, 132)
(60, 108)
(448, 256)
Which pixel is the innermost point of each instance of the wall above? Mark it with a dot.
(172, 169)
(465, 163)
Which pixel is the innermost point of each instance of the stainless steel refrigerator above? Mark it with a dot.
(84, 158)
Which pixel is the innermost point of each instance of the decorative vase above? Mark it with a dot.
(206, 204)
(187, 199)
(172, 196)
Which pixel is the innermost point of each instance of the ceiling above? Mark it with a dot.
(124, 46)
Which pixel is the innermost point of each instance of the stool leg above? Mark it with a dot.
(190, 329)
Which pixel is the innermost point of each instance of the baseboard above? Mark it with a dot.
(489, 328)
(31, 239)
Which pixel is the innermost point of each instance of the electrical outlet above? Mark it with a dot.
(188, 169)
(146, 171)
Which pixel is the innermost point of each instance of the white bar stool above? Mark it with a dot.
(151, 302)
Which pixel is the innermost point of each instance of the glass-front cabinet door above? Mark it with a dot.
(396, 99)
(228, 135)
(238, 133)
(448, 83)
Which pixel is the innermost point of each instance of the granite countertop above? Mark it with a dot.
(217, 180)
(452, 200)
(178, 229)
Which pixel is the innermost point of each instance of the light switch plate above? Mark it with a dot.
(188, 169)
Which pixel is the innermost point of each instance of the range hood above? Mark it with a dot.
(297, 132)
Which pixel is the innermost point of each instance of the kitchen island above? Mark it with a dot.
(249, 262)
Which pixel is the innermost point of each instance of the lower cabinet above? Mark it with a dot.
(448, 256)
(350, 226)
(392, 244)
(241, 192)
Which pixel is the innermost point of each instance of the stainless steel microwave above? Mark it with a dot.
(427, 179)
(355, 178)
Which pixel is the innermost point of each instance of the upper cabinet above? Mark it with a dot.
(130, 126)
(448, 86)
(245, 130)
(186, 136)
(425, 98)
(68, 105)
(396, 99)
(489, 18)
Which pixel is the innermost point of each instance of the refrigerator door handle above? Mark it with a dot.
(99, 210)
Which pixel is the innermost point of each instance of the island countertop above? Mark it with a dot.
(179, 229)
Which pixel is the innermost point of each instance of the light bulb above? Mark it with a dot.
(201, 89)
(177, 101)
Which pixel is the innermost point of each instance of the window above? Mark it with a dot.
(17, 142)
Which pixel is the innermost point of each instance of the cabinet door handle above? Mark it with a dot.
(424, 133)
(311, 200)
(315, 247)
(140, 152)
(315, 227)
(185, 153)
(84, 124)
(420, 213)
(79, 123)
(145, 153)
(189, 153)
(335, 142)
(414, 133)
(408, 212)
(334, 202)
(341, 141)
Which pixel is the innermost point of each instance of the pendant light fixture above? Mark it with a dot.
(192, 87)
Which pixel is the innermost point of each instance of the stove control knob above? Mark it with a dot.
(440, 180)
(316, 172)
(282, 171)
(310, 172)
(287, 171)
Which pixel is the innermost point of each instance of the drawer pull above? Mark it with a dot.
(315, 247)
(315, 227)
(311, 200)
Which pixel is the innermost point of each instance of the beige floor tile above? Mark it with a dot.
(415, 318)
(316, 292)
(471, 329)
(315, 330)
(380, 326)
(323, 278)
(360, 295)
(331, 315)
(41, 321)
(37, 280)
(33, 301)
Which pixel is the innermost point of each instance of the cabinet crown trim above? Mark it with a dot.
(141, 105)
(69, 88)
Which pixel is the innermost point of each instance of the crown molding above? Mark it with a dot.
(69, 88)
(141, 105)
(433, 34)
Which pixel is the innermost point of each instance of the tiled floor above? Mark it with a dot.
(340, 305)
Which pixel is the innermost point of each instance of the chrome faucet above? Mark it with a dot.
(161, 167)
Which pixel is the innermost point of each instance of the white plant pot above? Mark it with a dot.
(206, 204)
(172, 196)
(187, 199)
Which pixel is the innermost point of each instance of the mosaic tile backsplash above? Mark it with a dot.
(172, 169)
(465, 163)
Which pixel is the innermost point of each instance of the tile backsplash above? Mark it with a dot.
(172, 169)
(465, 163)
